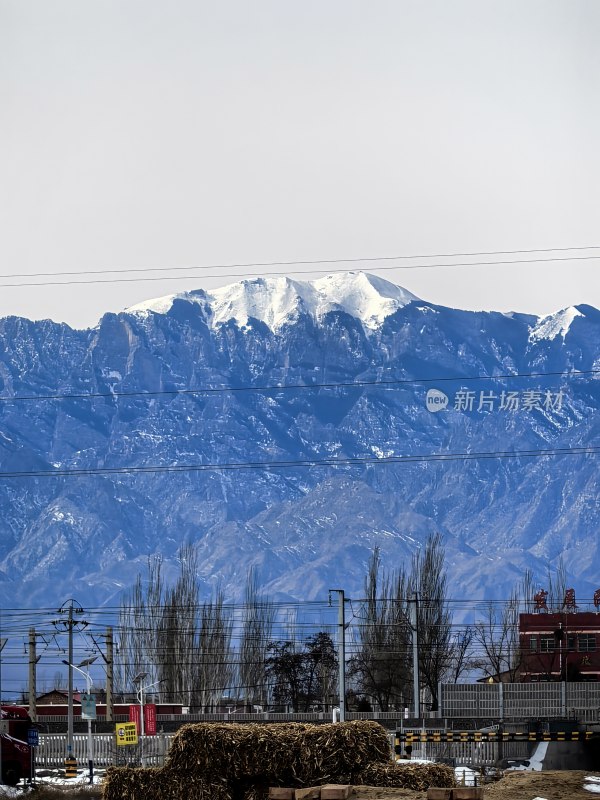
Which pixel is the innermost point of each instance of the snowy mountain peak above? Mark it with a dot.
(279, 300)
(272, 300)
(554, 325)
(366, 297)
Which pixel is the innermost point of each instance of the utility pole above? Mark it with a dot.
(70, 607)
(414, 609)
(33, 660)
(341, 650)
(108, 661)
(109, 674)
(70, 684)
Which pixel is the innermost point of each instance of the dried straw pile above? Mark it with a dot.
(408, 776)
(240, 762)
(279, 754)
(124, 783)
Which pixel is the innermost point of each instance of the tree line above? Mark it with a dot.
(205, 654)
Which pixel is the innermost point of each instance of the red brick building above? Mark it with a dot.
(560, 646)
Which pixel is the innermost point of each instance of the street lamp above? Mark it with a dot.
(88, 689)
(141, 688)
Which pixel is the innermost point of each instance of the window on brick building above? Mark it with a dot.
(587, 642)
(547, 644)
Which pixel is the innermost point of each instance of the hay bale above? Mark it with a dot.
(418, 777)
(290, 754)
(233, 761)
(125, 783)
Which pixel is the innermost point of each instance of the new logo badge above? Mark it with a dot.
(436, 400)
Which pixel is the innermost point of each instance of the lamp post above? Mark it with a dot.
(88, 688)
(141, 688)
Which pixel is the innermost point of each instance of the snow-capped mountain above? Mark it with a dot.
(279, 301)
(295, 425)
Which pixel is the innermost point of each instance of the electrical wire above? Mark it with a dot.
(300, 272)
(567, 374)
(327, 462)
(306, 263)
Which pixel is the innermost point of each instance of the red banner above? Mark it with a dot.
(150, 719)
(134, 716)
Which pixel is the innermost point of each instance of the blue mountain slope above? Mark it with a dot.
(309, 526)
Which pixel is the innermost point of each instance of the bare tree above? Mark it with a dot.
(428, 583)
(381, 667)
(498, 633)
(141, 610)
(557, 587)
(461, 654)
(258, 619)
(176, 632)
(213, 653)
(184, 647)
(495, 636)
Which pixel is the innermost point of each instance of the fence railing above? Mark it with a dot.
(497, 701)
(52, 750)
(476, 754)
(521, 700)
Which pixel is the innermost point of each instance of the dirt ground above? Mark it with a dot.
(563, 785)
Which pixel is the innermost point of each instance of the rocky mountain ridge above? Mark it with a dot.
(190, 419)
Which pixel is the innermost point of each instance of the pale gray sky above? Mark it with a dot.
(171, 133)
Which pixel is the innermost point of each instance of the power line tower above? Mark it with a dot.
(70, 608)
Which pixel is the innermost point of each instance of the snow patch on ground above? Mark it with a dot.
(591, 783)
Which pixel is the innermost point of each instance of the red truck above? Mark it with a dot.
(15, 762)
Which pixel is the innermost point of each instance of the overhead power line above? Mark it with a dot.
(314, 263)
(234, 265)
(293, 464)
(303, 386)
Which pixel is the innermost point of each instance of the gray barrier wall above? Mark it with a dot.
(516, 701)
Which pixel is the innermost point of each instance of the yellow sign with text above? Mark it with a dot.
(126, 733)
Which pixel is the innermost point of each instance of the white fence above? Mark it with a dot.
(52, 750)
(480, 701)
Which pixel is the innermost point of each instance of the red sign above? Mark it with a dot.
(134, 716)
(150, 719)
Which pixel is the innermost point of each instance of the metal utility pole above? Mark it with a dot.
(70, 607)
(33, 660)
(341, 650)
(109, 674)
(70, 684)
(414, 612)
(108, 661)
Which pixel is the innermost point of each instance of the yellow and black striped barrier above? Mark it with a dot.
(491, 736)
(70, 767)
